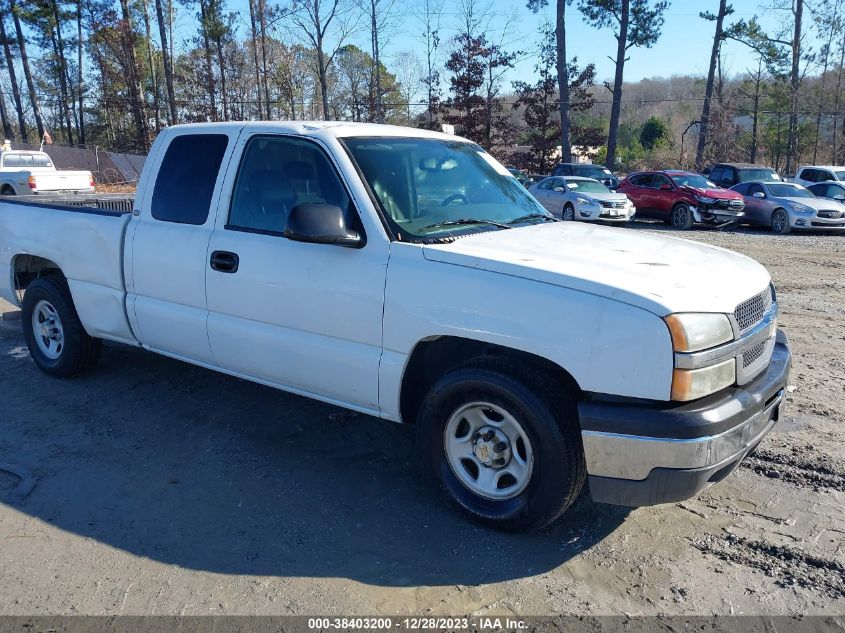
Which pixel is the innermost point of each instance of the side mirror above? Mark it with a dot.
(665, 187)
(321, 224)
(758, 194)
(839, 197)
(559, 189)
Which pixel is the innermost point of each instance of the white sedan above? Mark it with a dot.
(584, 199)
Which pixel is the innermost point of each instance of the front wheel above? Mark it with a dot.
(57, 342)
(507, 454)
(568, 213)
(681, 217)
(780, 222)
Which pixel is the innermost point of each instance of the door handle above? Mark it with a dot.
(224, 261)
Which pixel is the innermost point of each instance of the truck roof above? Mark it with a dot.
(339, 129)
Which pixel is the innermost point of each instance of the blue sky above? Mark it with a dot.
(684, 47)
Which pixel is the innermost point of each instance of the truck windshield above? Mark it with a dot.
(591, 171)
(433, 187)
(757, 174)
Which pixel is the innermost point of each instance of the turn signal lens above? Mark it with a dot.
(695, 331)
(690, 384)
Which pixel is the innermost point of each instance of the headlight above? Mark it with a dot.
(690, 384)
(694, 331)
(705, 199)
(586, 201)
(801, 209)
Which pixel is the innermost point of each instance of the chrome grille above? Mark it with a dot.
(752, 354)
(832, 215)
(750, 312)
(612, 205)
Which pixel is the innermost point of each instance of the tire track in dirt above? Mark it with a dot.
(796, 469)
(787, 565)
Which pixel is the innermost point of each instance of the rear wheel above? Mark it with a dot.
(568, 212)
(780, 222)
(507, 454)
(57, 342)
(681, 217)
(7, 191)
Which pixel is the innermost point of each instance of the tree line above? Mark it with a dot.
(114, 72)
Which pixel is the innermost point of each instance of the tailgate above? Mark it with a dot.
(62, 181)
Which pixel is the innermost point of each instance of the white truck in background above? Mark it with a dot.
(26, 173)
(406, 274)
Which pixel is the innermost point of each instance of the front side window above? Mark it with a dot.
(755, 188)
(278, 173)
(840, 175)
(659, 180)
(717, 173)
(186, 178)
(833, 191)
(432, 187)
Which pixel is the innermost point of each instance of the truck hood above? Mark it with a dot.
(657, 273)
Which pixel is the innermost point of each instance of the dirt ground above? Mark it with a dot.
(154, 487)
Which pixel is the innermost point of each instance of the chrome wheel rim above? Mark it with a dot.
(568, 213)
(47, 330)
(680, 216)
(488, 451)
(778, 222)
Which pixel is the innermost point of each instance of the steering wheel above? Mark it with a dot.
(455, 197)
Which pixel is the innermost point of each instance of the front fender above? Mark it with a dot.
(607, 346)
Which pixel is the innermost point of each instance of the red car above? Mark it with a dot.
(681, 198)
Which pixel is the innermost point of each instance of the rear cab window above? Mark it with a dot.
(186, 178)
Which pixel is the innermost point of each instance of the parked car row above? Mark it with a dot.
(733, 194)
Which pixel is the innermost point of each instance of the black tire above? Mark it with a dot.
(681, 217)
(7, 191)
(80, 352)
(568, 208)
(780, 225)
(547, 414)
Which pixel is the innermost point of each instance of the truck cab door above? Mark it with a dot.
(167, 255)
(302, 316)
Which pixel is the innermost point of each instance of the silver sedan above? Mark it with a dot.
(582, 199)
(784, 206)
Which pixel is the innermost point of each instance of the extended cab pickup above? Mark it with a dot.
(24, 173)
(406, 274)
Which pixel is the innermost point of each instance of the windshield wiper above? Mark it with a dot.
(462, 221)
(533, 216)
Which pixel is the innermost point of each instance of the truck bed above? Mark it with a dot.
(83, 236)
(114, 203)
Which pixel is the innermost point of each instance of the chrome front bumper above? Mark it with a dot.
(641, 455)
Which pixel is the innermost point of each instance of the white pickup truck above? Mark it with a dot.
(406, 274)
(24, 173)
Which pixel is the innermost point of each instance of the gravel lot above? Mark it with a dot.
(154, 487)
